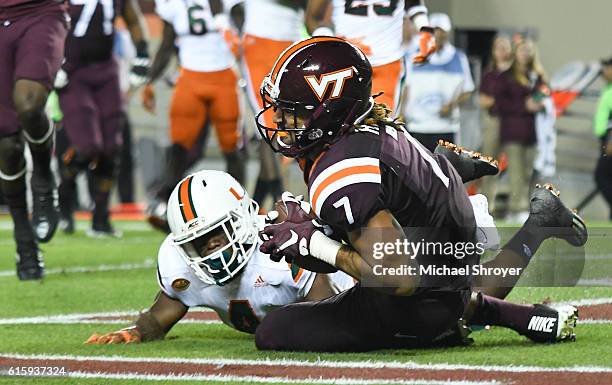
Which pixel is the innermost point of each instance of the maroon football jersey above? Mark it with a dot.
(14, 9)
(91, 36)
(374, 169)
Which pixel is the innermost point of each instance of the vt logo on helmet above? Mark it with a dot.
(336, 79)
(214, 225)
(318, 88)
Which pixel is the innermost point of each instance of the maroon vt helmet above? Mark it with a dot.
(321, 86)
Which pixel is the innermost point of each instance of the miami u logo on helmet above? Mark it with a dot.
(337, 78)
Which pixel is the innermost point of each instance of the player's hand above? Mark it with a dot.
(148, 98)
(124, 336)
(288, 240)
(232, 40)
(427, 45)
(294, 209)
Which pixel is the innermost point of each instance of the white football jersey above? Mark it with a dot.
(202, 47)
(377, 23)
(270, 20)
(243, 302)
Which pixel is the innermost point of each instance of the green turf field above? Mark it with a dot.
(74, 285)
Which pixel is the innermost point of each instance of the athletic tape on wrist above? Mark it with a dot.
(324, 248)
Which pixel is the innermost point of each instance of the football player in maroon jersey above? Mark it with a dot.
(372, 183)
(32, 34)
(90, 98)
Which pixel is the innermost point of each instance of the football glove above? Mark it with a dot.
(140, 65)
(123, 336)
(427, 45)
(61, 79)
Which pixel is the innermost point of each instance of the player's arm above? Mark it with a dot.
(315, 19)
(160, 62)
(358, 260)
(136, 25)
(151, 325)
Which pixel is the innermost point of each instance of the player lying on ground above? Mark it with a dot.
(211, 259)
(372, 182)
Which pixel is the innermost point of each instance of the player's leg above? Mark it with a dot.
(82, 128)
(259, 56)
(548, 217)
(125, 176)
(387, 78)
(603, 179)
(360, 319)
(540, 323)
(12, 166)
(38, 57)
(108, 101)
(187, 118)
(225, 114)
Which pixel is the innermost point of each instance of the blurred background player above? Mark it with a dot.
(376, 27)
(602, 126)
(32, 34)
(90, 98)
(205, 89)
(212, 259)
(262, 43)
(434, 90)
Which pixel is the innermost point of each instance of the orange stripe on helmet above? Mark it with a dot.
(185, 202)
(294, 48)
(234, 193)
(341, 174)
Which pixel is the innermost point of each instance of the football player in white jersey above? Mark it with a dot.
(205, 90)
(262, 43)
(376, 27)
(212, 259)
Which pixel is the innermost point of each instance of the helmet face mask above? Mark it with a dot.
(220, 235)
(318, 88)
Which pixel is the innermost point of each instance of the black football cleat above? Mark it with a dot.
(45, 209)
(470, 165)
(546, 210)
(30, 265)
(66, 224)
(554, 323)
(103, 229)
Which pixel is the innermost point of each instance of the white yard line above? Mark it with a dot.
(267, 380)
(318, 363)
(147, 263)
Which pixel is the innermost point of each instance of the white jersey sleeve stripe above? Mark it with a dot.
(344, 164)
(340, 183)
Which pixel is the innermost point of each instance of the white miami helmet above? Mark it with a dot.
(206, 204)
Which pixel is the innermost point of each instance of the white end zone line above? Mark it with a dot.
(267, 380)
(317, 363)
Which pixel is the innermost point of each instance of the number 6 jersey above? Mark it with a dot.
(262, 286)
(201, 45)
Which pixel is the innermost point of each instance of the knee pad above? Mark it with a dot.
(12, 161)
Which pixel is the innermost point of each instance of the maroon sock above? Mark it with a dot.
(497, 312)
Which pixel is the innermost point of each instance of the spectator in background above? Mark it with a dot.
(435, 90)
(603, 130)
(518, 97)
(499, 62)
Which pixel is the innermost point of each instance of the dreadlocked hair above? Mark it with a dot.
(381, 116)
